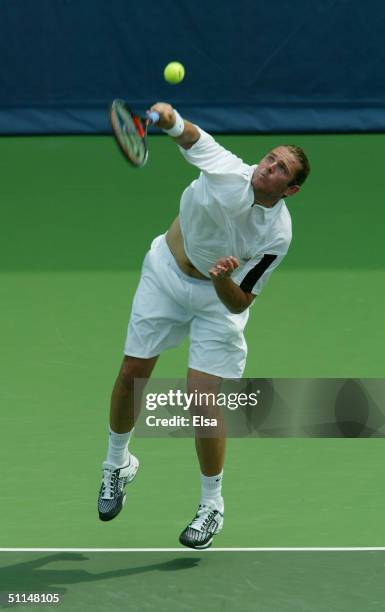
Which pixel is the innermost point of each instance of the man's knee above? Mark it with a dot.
(203, 382)
(133, 368)
(204, 409)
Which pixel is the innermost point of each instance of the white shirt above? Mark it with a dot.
(218, 218)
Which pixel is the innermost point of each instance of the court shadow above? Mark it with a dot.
(356, 415)
(33, 576)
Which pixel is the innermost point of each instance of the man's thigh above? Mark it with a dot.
(159, 319)
(218, 345)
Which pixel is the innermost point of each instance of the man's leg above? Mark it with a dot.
(210, 443)
(121, 466)
(123, 411)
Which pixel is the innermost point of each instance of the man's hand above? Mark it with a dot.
(224, 267)
(167, 120)
(231, 295)
(166, 115)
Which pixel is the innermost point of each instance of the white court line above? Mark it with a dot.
(186, 550)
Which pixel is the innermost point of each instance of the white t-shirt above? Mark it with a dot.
(218, 218)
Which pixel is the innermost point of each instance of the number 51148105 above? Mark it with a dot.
(41, 598)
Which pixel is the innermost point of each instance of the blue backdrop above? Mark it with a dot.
(251, 65)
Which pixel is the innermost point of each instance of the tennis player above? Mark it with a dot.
(200, 278)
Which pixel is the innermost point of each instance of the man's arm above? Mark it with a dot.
(231, 295)
(208, 155)
(166, 121)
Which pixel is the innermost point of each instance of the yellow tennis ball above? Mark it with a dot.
(174, 73)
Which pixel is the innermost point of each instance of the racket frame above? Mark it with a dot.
(125, 137)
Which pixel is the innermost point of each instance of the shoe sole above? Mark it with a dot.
(201, 546)
(197, 547)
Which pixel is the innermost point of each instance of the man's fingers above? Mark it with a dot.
(228, 265)
(228, 261)
(224, 267)
(166, 114)
(213, 271)
(234, 262)
(218, 272)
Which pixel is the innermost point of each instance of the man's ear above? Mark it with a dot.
(291, 190)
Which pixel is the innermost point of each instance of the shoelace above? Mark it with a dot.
(110, 484)
(202, 519)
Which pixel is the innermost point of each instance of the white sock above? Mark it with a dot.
(117, 453)
(211, 491)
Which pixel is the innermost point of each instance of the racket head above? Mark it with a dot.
(130, 133)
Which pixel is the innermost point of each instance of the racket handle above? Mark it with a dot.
(153, 116)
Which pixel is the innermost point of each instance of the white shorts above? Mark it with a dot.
(168, 305)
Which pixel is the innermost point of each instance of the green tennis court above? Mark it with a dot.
(76, 222)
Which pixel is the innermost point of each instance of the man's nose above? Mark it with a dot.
(272, 166)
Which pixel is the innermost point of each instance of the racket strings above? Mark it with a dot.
(131, 135)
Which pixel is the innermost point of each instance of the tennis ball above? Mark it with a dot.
(174, 73)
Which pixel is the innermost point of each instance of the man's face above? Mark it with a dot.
(275, 172)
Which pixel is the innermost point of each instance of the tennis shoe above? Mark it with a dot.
(112, 495)
(207, 522)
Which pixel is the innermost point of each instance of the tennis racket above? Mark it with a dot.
(130, 132)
